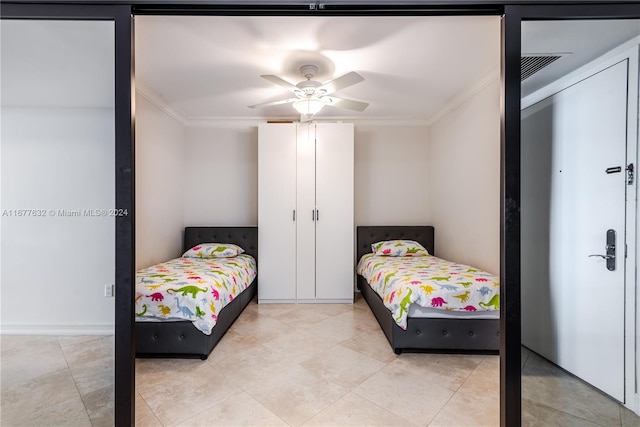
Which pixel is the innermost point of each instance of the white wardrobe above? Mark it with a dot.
(305, 212)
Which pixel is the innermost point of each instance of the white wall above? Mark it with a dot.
(392, 175)
(221, 177)
(54, 268)
(464, 181)
(221, 181)
(160, 168)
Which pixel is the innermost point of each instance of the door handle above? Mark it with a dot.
(313, 215)
(317, 215)
(610, 248)
(294, 215)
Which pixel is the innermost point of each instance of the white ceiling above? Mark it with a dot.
(582, 40)
(57, 63)
(209, 68)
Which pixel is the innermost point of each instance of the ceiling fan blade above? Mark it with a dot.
(347, 80)
(347, 103)
(280, 82)
(268, 104)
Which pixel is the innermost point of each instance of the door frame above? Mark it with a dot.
(124, 179)
(510, 386)
(513, 12)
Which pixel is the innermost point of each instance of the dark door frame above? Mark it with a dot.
(510, 316)
(124, 179)
(514, 11)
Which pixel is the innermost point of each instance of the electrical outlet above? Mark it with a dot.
(108, 290)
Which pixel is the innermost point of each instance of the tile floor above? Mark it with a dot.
(553, 397)
(319, 365)
(288, 365)
(56, 381)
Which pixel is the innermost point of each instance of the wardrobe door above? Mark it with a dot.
(334, 221)
(276, 212)
(306, 202)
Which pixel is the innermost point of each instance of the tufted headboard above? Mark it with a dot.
(245, 237)
(366, 235)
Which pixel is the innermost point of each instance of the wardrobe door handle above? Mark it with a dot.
(313, 215)
(317, 215)
(294, 215)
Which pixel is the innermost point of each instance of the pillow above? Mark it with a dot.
(407, 248)
(213, 250)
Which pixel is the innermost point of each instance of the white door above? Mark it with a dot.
(589, 138)
(334, 220)
(276, 207)
(306, 201)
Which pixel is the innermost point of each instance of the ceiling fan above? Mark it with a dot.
(312, 96)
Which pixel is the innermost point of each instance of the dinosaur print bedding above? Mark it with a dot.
(192, 288)
(429, 282)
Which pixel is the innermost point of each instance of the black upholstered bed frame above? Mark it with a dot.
(422, 334)
(181, 338)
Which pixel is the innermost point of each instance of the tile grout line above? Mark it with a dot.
(240, 390)
(567, 413)
(349, 390)
(441, 408)
(620, 414)
(150, 410)
(384, 409)
(75, 383)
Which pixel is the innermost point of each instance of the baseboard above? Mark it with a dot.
(325, 301)
(276, 301)
(306, 301)
(50, 329)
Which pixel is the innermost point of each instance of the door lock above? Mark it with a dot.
(610, 249)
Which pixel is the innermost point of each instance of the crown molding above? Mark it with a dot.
(243, 122)
(143, 89)
(462, 97)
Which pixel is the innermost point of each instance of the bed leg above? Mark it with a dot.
(204, 356)
(397, 350)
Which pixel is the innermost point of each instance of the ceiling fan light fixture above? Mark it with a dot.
(308, 106)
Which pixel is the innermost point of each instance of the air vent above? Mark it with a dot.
(531, 64)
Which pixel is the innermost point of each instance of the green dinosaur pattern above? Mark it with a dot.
(144, 310)
(493, 302)
(389, 276)
(192, 288)
(404, 304)
(404, 280)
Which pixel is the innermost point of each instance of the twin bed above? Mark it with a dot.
(435, 305)
(473, 325)
(198, 289)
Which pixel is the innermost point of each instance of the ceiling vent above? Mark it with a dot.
(532, 63)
